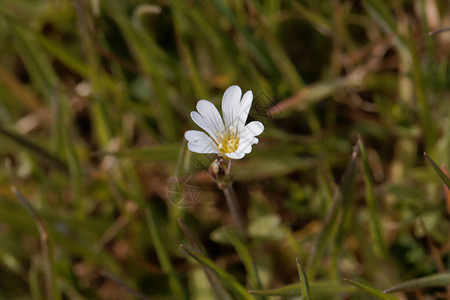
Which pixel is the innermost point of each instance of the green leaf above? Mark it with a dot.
(303, 281)
(435, 280)
(377, 293)
(228, 280)
(267, 227)
(438, 170)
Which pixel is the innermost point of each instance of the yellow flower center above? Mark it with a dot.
(229, 141)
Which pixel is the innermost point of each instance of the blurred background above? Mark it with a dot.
(95, 98)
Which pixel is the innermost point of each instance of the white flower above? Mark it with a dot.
(229, 137)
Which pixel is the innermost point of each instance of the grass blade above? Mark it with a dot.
(377, 293)
(36, 149)
(438, 170)
(146, 53)
(100, 113)
(374, 213)
(316, 289)
(423, 107)
(380, 12)
(228, 280)
(166, 152)
(217, 287)
(246, 258)
(435, 280)
(331, 219)
(303, 281)
(50, 278)
(36, 61)
(254, 47)
(163, 257)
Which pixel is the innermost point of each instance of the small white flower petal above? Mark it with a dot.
(210, 113)
(228, 133)
(244, 108)
(203, 124)
(208, 118)
(253, 128)
(235, 155)
(200, 142)
(231, 106)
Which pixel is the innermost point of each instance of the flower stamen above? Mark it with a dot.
(229, 142)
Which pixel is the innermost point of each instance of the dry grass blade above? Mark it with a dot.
(309, 95)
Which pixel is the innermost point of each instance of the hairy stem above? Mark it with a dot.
(230, 196)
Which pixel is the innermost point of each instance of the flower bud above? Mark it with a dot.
(216, 170)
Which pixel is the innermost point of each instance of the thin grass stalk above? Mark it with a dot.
(175, 285)
(374, 213)
(434, 253)
(100, 117)
(423, 107)
(163, 257)
(39, 151)
(186, 56)
(62, 128)
(338, 212)
(49, 276)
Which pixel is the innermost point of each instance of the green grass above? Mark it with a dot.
(95, 98)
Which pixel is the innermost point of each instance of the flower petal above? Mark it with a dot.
(253, 128)
(230, 106)
(208, 118)
(235, 155)
(200, 142)
(244, 108)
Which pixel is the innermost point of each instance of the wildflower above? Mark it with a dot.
(230, 137)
